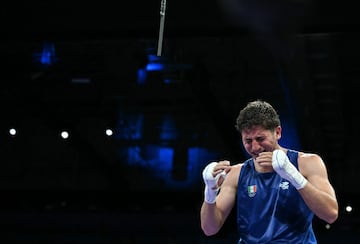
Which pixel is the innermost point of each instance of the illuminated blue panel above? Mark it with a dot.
(130, 126)
(47, 56)
(155, 67)
(168, 129)
(290, 137)
(152, 157)
(166, 157)
(132, 155)
(157, 163)
(200, 155)
(198, 158)
(141, 76)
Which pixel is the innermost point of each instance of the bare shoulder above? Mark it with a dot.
(311, 163)
(309, 157)
(233, 174)
(236, 168)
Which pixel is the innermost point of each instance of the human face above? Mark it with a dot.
(257, 139)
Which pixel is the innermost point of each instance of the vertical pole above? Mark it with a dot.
(161, 30)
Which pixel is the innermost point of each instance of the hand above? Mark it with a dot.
(213, 175)
(287, 170)
(264, 160)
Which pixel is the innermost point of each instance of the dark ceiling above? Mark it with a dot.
(71, 19)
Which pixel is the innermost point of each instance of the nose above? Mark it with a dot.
(256, 147)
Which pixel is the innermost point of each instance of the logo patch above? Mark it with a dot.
(284, 185)
(251, 190)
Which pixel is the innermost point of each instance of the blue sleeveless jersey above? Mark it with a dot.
(270, 209)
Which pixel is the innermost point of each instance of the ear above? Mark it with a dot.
(278, 132)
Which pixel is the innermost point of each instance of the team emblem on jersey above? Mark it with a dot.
(284, 185)
(251, 190)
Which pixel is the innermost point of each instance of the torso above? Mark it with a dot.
(263, 200)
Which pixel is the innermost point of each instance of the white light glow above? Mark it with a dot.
(64, 134)
(348, 208)
(109, 132)
(12, 131)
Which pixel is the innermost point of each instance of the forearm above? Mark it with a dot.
(211, 219)
(216, 208)
(323, 204)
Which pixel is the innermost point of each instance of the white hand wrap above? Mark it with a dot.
(287, 170)
(211, 189)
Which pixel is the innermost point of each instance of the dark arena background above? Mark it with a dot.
(110, 110)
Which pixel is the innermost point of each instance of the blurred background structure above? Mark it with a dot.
(104, 141)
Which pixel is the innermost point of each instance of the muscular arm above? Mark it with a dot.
(318, 193)
(213, 216)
